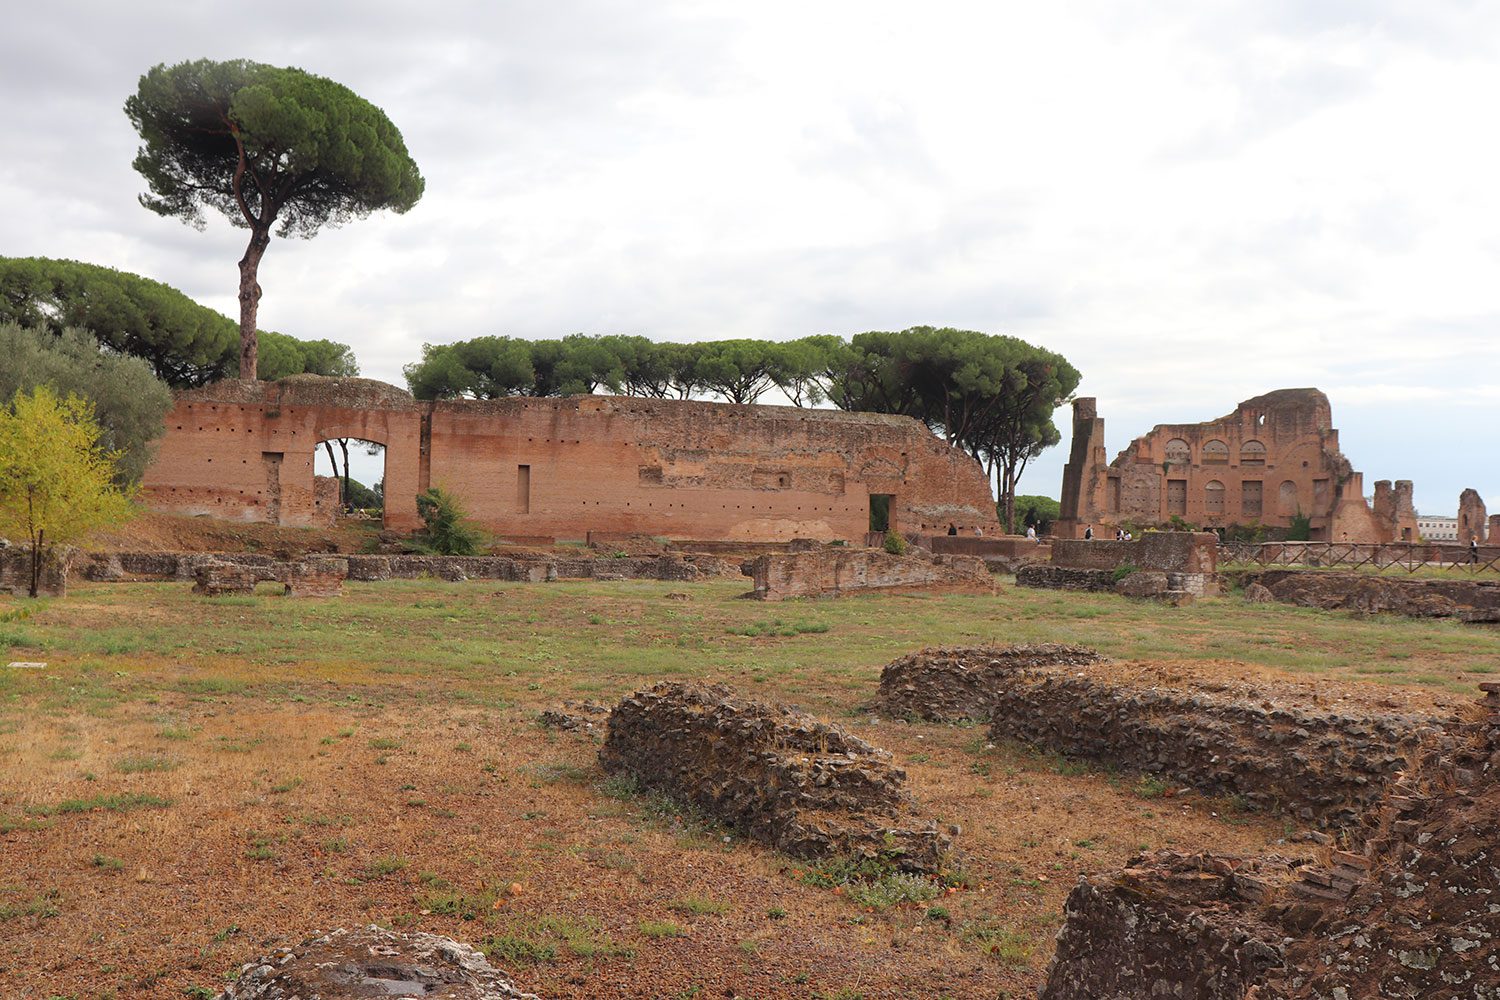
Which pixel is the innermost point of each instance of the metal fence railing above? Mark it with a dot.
(1412, 557)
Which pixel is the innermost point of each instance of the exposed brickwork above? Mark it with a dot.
(780, 776)
(1274, 456)
(1287, 750)
(561, 468)
(1472, 517)
(834, 570)
(1470, 600)
(52, 581)
(1170, 565)
(954, 683)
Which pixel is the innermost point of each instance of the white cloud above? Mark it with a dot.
(1195, 202)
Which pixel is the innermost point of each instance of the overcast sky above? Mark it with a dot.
(1195, 202)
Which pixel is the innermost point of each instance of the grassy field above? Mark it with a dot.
(190, 781)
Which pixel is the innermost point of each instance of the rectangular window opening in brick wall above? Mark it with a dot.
(1250, 498)
(523, 489)
(1176, 496)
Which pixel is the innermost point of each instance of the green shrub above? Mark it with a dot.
(1122, 571)
(895, 544)
(447, 531)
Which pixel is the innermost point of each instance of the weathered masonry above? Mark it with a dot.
(1274, 457)
(560, 468)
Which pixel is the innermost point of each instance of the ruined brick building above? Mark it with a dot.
(560, 468)
(1274, 457)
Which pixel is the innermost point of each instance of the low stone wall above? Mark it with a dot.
(373, 962)
(1048, 577)
(1413, 915)
(834, 570)
(52, 580)
(1278, 748)
(1172, 588)
(778, 775)
(955, 683)
(1001, 554)
(1470, 600)
(1195, 552)
(315, 576)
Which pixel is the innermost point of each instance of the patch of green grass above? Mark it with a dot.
(464, 905)
(144, 764)
(1011, 947)
(41, 906)
(1149, 786)
(660, 929)
(175, 733)
(385, 743)
(107, 863)
(123, 802)
(282, 787)
(778, 628)
(514, 949)
(386, 864)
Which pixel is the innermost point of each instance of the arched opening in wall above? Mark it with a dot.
(1252, 453)
(1179, 452)
(348, 480)
(1215, 452)
(1287, 502)
(1213, 497)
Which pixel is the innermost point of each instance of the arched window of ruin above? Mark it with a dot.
(1287, 502)
(1252, 453)
(1213, 497)
(1178, 452)
(1216, 452)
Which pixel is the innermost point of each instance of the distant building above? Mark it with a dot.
(1437, 529)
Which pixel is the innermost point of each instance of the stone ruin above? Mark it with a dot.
(813, 570)
(1173, 566)
(1003, 554)
(1280, 746)
(1471, 517)
(1412, 915)
(52, 581)
(957, 683)
(778, 775)
(369, 962)
(315, 576)
(1465, 599)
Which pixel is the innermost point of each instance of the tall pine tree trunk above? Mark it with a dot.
(250, 301)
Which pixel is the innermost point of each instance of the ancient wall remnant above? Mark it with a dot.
(836, 569)
(1169, 565)
(1466, 599)
(314, 576)
(560, 468)
(1276, 746)
(954, 683)
(1275, 457)
(1471, 517)
(780, 776)
(365, 962)
(52, 576)
(1411, 915)
(1001, 555)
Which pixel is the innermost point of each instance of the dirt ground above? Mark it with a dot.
(191, 782)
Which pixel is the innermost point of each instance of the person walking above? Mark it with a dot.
(1474, 551)
(1088, 533)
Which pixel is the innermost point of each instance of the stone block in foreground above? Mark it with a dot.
(778, 775)
(371, 962)
(952, 683)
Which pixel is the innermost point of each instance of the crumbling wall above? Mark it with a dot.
(1466, 599)
(52, 577)
(1411, 916)
(1288, 750)
(564, 467)
(1471, 517)
(373, 962)
(954, 683)
(780, 776)
(835, 570)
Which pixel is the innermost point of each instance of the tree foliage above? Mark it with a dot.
(56, 478)
(267, 147)
(185, 343)
(1035, 511)
(128, 400)
(992, 396)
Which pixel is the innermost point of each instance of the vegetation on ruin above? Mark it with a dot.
(376, 759)
(57, 483)
(185, 343)
(267, 147)
(446, 530)
(128, 400)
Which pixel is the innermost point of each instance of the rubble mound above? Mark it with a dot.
(780, 776)
(1413, 917)
(1291, 747)
(1469, 600)
(371, 962)
(953, 683)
